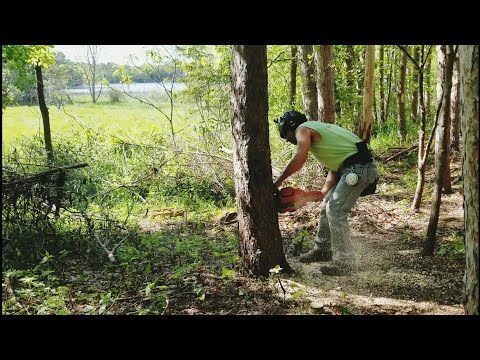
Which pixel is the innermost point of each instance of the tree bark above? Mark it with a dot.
(382, 88)
(45, 115)
(309, 85)
(428, 85)
(366, 126)
(446, 179)
(349, 60)
(422, 152)
(402, 126)
(415, 76)
(455, 107)
(293, 76)
(350, 107)
(325, 83)
(469, 117)
(446, 58)
(390, 81)
(260, 239)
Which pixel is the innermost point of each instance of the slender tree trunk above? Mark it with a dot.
(446, 58)
(455, 107)
(402, 126)
(366, 127)
(293, 76)
(382, 88)
(422, 152)
(446, 179)
(416, 57)
(470, 137)
(349, 62)
(45, 116)
(390, 81)
(94, 80)
(428, 86)
(260, 239)
(325, 84)
(309, 84)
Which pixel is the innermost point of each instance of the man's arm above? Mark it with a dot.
(329, 182)
(303, 146)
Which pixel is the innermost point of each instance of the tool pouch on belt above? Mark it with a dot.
(364, 157)
(370, 189)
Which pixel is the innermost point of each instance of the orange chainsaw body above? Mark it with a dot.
(291, 199)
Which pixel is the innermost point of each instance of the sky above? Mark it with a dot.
(117, 54)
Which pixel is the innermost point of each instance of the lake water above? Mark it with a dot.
(132, 88)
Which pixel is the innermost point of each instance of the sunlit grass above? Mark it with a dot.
(131, 117)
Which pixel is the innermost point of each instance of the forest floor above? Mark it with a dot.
(392, 276)
(180, 267)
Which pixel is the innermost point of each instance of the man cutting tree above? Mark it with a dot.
(352, 173)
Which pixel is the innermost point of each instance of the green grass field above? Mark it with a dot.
(131, 117)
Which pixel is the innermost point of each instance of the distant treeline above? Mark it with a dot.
(74, 76)
(65, 74)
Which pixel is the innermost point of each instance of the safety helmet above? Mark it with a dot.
(289, 120)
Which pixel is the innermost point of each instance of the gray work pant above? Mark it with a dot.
(333, 228)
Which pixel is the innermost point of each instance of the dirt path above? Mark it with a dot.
(392, 277)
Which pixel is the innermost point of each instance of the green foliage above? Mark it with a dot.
(278, 62)
(456, 245)
(207, 76)
(35, 291)
(18, 62)
(299, 241)
(298, 294)
(452, 249)
(133, 167)
(275, 271)
(346, 310)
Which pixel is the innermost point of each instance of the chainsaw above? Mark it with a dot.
(289, 199)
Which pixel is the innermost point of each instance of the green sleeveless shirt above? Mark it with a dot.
(336, 144)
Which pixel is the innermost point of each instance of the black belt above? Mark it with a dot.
(358, 158)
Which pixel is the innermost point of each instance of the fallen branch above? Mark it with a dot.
(42, 174)
(413, 147)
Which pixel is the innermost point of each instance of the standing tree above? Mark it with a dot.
(422, 150)
(293, 76)
(350, 60)
(325, 83)
(391, 75)
(455, 107)
(416, 57)
(402, 126)
(446, 58)
(44, 112)
(166, 58)
(260, 239)
(469, 101)
(441, 81)
(366, 124)
(25, 58)
(382, 88)
(428, 81)
(92, 53)
(309, 85)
